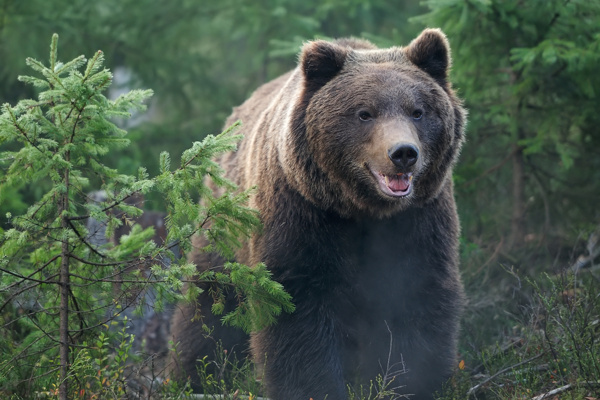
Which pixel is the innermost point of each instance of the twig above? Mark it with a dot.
(110, 264)
(83, 240)
(491, 169)
(390, 373)
(105, 209)
(28, 278)
(515, 343)
(78, 312)
(492, 257)
(476, 388)
(22, 131)
(18, 292)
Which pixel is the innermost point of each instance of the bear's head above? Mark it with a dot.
(374, 131)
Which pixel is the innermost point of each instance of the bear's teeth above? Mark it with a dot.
(387, 180)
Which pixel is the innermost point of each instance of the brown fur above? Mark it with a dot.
(372, 274)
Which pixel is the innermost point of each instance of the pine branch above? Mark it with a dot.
(29, 279)
(107, 208)
(20, 129)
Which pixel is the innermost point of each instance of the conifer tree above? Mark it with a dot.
(65, 285)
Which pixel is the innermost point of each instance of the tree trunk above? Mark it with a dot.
(64, 296)
(517, 228)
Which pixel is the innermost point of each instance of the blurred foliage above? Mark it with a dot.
(200, 57)
(527, 73)
(525, 70)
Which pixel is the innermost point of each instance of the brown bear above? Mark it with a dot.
(352, 154)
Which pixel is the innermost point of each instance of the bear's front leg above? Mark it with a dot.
(300, 356)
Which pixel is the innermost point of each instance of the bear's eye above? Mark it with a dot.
(417, 114)
(365, 116)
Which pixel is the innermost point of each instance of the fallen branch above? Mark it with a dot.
(564, 389)
(553, 392)
(584, 261)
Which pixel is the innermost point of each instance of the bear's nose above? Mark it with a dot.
(403, 155)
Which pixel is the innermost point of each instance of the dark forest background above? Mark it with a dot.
(529, 174)
(528, 180)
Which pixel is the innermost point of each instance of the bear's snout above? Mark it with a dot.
(403, 155)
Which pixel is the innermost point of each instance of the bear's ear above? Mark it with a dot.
(431, 53)
(320, 61)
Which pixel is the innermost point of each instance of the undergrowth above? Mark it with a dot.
(543, 343)
(532, 335)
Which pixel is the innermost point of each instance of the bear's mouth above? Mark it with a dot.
(397, 185)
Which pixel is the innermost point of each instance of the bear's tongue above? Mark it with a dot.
(398, 183)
